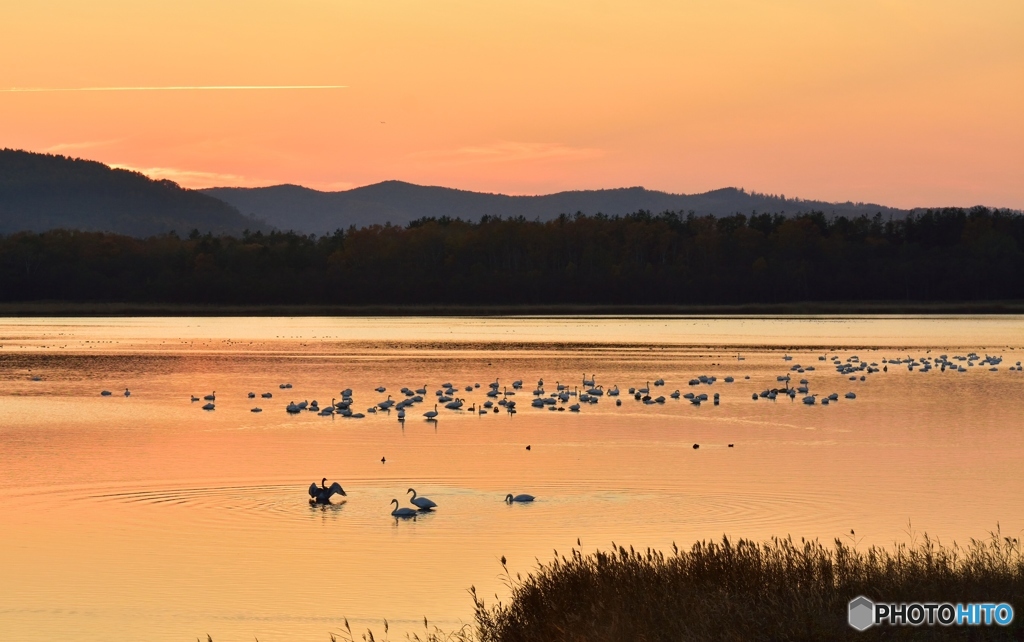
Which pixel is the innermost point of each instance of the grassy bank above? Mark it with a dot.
(843, 308)
(744, 590)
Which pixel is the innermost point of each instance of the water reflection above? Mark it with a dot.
(174, 520)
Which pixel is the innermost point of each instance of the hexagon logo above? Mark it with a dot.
(862, 613)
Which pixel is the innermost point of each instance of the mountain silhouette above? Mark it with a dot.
(39, 192)
(292, 207)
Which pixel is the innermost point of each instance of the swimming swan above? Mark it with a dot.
(402, 512)
(421, 503)
(518, 498)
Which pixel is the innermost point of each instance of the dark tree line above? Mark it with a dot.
(939, 255)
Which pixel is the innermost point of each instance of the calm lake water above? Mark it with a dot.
(147, 517)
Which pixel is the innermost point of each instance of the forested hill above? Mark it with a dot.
(41, 192)
(949, 255)
(290, 207)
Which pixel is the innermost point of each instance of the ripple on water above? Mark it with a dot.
(559, 505)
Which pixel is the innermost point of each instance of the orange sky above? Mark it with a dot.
(905, 103)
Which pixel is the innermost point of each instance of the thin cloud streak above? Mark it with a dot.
(71, 147)
(43, 90)
(195, 179)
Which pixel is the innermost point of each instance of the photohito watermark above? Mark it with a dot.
(864, 614)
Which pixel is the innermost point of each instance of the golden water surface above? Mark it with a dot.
(146, 517)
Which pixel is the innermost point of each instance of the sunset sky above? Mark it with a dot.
(914, 103)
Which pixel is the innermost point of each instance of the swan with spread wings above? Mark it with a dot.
(322, 494)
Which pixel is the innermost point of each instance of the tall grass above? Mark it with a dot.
(744, 590)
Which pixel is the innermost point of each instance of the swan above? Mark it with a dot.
(256, 409)
(518, 498)
(194, 398)
(421, 503)
(590, 381)
(267, 395)
(127, 393)
(106, 393)
(252, 395)
(431, 414)
(208, 406)
(322, 494)
(380, 389)
(402, 512)
(401, 414)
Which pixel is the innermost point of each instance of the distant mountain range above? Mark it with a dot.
(40, 192)
(291, 207)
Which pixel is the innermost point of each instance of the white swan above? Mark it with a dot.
(518, 498)
(127, 393)
(322, 494)
(208, 406)
(402, 512)
(105, 393)
(431, 414)
(401, 414)
(421, 503)
(211, 397)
